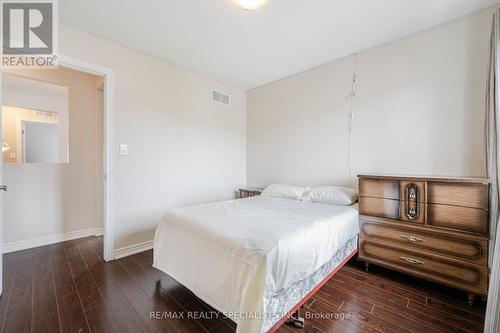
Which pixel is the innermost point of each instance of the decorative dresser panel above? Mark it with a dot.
(430, 227)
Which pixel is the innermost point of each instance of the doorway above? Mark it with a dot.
(41, 142)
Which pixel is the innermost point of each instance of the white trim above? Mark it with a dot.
(48, 240)
(133, 249)
(108, 193)
(99, 232)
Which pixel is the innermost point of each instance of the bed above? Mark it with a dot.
(255, 259)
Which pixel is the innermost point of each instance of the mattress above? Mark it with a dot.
(235, 255)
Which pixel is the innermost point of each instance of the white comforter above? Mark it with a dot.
(235, 254)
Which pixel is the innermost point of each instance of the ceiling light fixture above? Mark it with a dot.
(251, 4)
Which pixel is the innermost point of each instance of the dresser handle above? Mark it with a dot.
(412, 239)
(412, 204)
(412, 260)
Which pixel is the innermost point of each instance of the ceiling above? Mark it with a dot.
(247, 49)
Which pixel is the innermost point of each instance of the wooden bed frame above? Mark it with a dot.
(310, 294)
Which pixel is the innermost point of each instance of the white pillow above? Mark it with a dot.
(335, 195)
(285, 191)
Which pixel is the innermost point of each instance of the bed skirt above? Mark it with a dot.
(280, 304)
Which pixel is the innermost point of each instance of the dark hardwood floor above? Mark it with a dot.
(67, 287)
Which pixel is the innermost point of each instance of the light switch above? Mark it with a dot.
(12, 156)
(123, 149)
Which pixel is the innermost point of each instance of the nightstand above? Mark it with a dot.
(249, 192)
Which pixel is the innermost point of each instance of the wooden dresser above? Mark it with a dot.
(433, 228)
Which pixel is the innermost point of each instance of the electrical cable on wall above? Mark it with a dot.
(352, 96)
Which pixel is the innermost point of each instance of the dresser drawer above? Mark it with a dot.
(455, 273)
(459, 218)
(387, 208)
(458, 194)
(379, 188)
(474, 249)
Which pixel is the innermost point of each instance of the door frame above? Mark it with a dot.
(108, 144)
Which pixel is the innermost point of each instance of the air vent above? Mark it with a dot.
(220, 97)
(44, 114)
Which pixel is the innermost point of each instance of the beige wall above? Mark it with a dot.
(48, 199)
(183, 148)
(418, 110)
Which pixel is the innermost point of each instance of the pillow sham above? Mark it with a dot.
(285, 191)
(334, 195)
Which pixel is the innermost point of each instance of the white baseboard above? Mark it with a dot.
(133, 249)
(99, 232)
(51, 239)
(57, 238)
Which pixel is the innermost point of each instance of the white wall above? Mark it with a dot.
(183, 148)
(418, 110)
